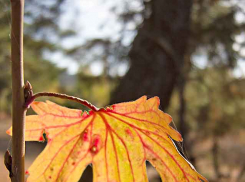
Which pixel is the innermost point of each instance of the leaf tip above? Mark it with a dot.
(180, 138)
(8, 132)
(202, 179)
(157, 99)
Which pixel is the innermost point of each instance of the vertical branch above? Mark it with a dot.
(183, 128)
(183, 79)
(18, 111)
(215, 154)
(182, 108)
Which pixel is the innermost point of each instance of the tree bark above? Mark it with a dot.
(18, 111)
(157, 53)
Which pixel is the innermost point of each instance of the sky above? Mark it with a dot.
(240, 18)
(94, 19)
(90, 15)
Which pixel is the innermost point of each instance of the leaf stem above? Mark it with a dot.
(61, 96)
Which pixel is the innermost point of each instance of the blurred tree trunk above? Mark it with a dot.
(157, 53)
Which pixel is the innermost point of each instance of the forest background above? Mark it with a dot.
(190, 53)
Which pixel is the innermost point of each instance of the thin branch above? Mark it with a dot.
(18, 112)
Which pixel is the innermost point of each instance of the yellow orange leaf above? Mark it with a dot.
(116, 141)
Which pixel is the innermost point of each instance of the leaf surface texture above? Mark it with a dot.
(116, 140)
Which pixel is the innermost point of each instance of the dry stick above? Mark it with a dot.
(18, 112)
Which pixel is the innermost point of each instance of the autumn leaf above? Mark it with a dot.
(116, 140)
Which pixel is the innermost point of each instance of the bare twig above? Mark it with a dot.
(18, 112)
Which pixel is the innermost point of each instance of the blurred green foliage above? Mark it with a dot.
(42, 74)
(215, 103)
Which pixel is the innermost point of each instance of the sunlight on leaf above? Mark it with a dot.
(117, 141)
